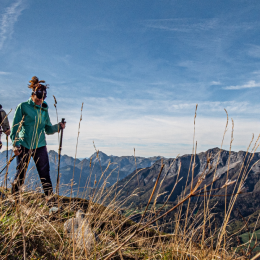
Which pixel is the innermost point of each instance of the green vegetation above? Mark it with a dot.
(254, 238)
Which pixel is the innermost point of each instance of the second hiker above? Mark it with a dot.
(4, 124)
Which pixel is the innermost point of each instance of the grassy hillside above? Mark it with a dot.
(29, 231)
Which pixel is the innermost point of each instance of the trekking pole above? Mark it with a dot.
(6, 162)
(59, 154)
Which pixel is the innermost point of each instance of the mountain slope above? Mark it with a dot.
(146, 177)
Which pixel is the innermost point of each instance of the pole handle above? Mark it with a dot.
(63, 121)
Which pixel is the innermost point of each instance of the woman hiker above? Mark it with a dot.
(30, 123)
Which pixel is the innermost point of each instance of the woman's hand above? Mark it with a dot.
(17, 151)
(62, 125)
(7, 132)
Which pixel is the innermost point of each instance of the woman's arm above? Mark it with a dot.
(18, 116)
(49, 128)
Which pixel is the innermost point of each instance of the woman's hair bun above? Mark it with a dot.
(35, 82)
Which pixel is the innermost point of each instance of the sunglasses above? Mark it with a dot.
(41, 94)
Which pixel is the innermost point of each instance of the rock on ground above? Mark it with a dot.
(79, 227)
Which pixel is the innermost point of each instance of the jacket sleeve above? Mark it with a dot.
(18, 116)
(49, 128)
(5, 122)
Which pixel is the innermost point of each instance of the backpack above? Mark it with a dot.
(0, 129)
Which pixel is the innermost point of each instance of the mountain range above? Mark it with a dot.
(146, 177)
(223, 162)
(84, 172)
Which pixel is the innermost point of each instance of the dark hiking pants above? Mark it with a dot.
(41, 160)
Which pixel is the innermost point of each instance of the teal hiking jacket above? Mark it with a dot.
(36, 122)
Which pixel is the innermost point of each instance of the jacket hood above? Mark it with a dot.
(44, 105)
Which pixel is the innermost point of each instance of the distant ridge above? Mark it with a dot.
(247, 203)
(120, 165)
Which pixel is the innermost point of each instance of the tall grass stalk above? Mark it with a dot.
(76, 149)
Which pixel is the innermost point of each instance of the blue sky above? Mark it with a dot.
(140, 67)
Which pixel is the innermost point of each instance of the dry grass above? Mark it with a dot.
(28, 231)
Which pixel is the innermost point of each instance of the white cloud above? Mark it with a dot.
(4, 73)
(107, 80)
(256, 72)
(125, 108)
(182, 25)
(8, 19)
(215, 83)
(254, 51)
(198, 25)
(249, 84)
(166, 136)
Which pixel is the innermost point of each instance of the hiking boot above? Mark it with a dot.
(2, 195)
(51, 202)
